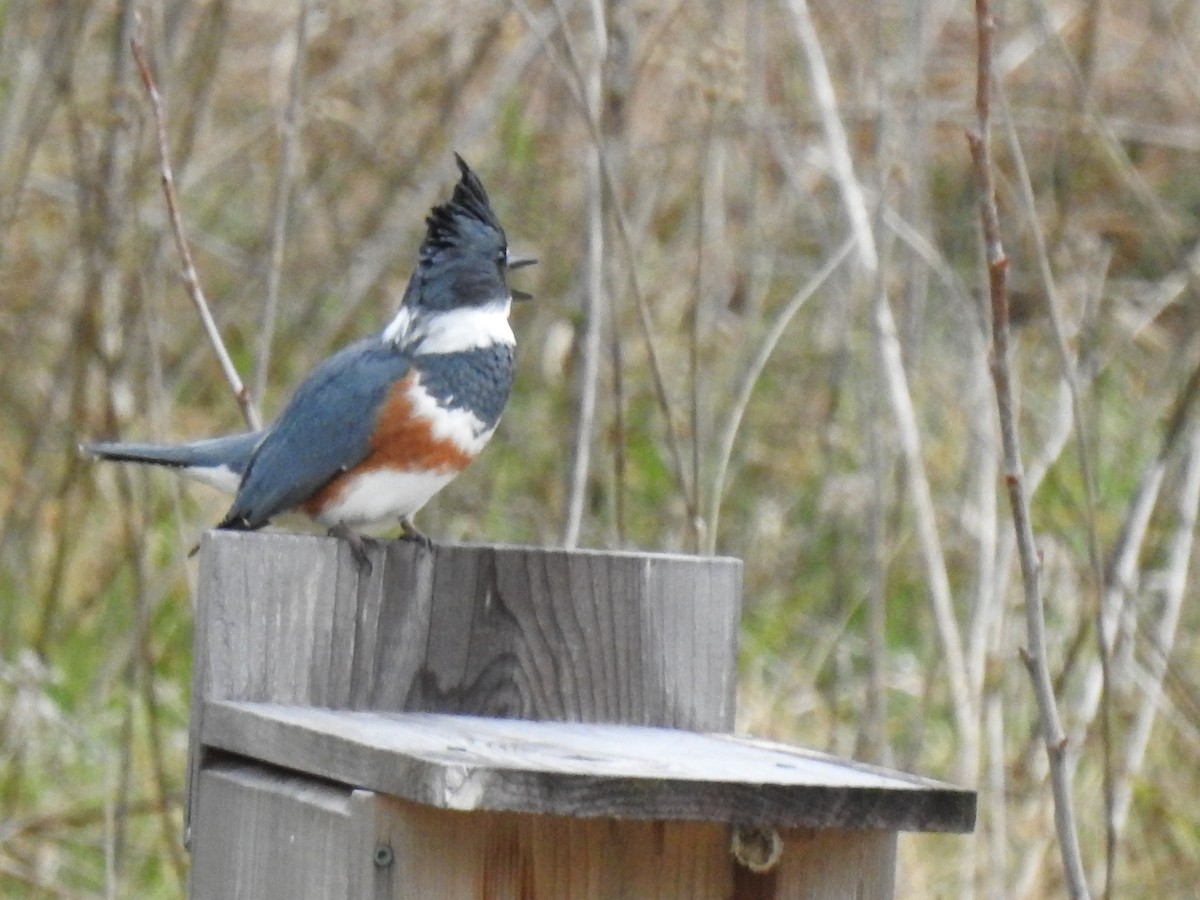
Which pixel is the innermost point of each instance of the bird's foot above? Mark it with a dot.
(358, 544)
(409, 532)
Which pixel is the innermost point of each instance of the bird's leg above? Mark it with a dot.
(358, 544)
(409, 532)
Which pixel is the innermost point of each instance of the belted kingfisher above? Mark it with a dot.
(381, 426)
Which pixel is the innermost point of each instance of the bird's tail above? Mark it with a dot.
(220, 462)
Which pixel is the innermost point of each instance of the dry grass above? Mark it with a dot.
(675, 175)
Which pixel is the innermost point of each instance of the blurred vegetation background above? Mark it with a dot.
(712, 364)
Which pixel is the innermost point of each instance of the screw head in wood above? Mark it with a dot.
(384, 856)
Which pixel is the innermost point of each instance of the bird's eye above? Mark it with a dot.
(502, 257)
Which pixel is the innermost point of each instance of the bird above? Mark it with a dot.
(377, 429)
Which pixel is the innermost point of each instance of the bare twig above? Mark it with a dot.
(1067, 362)
(283, 196)
(1035, 621)
(733, 420)
(1122, 576)
(30, 104)
(585, 423)
(172, 836)
(589, 376)
(388, 225)
(577, 85)
(1122, 569)
(891, 367)
(190, 279)
(1179, 555)
(988, 612)
(1122, 572)
(881, 463)
(1115, 152)
(996, 793)
(695, 527)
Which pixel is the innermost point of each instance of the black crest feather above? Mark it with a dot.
(469, 201)
(464, 255)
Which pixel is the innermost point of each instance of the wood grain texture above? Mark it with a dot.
(469, 763)
(280, 836)
(821, 864)
(476, 713)
(583, 636)
(269, 834)
(507, 856)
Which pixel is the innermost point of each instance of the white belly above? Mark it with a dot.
(382, 494)
(222, 478)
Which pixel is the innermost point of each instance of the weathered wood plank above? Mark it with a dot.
(471, 763)
(824, 864)
(367, 683)
(278, 836)
(639, 638)
(589, 636)
(269, 834)
(508, 856)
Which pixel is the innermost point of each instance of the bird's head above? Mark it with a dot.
(462, 265)
(464, 258)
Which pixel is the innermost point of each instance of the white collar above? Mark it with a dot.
(451, 331)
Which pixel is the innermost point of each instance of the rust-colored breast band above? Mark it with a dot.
(402, 441)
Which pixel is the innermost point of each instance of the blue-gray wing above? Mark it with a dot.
(325, 429)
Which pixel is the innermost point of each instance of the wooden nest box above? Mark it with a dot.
(507, 722)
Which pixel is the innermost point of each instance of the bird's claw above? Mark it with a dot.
(358, 544)
(409, 532)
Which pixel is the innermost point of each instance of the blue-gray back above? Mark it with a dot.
(325, 429)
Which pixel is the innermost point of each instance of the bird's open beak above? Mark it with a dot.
(520, 262)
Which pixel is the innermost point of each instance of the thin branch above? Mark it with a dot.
(836, 140)
(694, 330)
(1115, 152)
(589, 375)
(1041, 460)
(577, 85)
(891, 367)
(585, 423)
(1122, 570)
(31, 100)
(733, 421)
(873, 745)
(190, 279)
(1179, 555)
(1104, 636)
(988, 612)
(1035, 621)
(283, 196)
(386, 228)
(996, 798)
